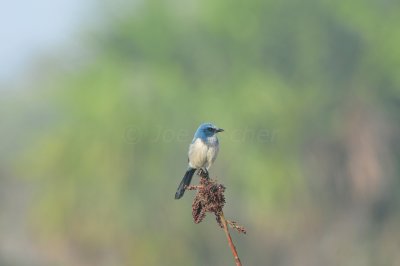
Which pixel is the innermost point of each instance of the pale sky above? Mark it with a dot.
(29, 28)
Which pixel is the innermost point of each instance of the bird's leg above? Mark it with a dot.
(206, 174)
(200, 172)
(203, 172)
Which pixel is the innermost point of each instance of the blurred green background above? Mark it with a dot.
(93, 143)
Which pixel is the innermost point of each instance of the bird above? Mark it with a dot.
(202, 153)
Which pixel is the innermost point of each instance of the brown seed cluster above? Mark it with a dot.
(209, 198)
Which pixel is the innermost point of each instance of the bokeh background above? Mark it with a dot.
(94, 131)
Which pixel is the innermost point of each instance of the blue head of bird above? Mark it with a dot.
(207, 130)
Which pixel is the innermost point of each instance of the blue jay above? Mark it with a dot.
(202, 153)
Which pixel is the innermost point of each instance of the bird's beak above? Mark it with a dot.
(219, 130)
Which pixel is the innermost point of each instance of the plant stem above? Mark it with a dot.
(230, 242)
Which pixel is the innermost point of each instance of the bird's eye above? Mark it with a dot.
(209, 128)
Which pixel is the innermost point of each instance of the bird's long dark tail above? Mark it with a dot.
(185, 182)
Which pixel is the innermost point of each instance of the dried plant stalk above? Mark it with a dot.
(230, 242)
(210, 198)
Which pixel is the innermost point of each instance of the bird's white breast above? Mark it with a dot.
(197, 154)
(201, 154)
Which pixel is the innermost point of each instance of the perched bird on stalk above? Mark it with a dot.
(202, 153)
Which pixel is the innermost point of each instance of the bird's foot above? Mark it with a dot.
(203, 173)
